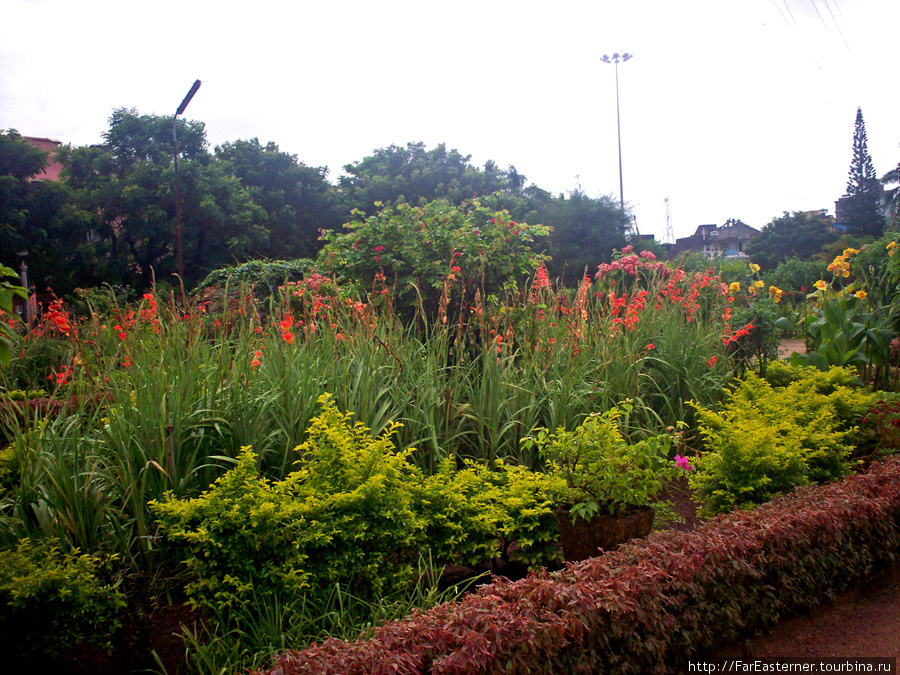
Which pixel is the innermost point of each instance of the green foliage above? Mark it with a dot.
(651, 603)
(602, 471)
(296, 199)
(584, 233)
(880, 427)
(797, 276)
(8, 336)
(422, 250)
(760, 312)
(797, 235)
(52, 599)
(767, 440)
(264, 276)
(128, 186)
(476, 513)
(844, 328)
(355, 514)
(413, 174)
(862, 206)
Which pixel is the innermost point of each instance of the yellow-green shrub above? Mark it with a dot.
(51, 599)
(355, 512)
(767, 440)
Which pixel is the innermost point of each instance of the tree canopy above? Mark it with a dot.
(795, 235)
(40, 217)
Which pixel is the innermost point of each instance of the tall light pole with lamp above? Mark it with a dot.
(615, 58)
(181, 109)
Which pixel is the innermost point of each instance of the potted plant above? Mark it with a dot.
(607, 483)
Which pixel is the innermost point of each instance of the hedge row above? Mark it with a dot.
(649, 605)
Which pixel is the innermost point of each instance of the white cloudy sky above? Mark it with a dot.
(731, 108)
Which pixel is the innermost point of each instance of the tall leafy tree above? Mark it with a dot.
(128, 182)
(584, 232)
(414, 174)
(796, 235)
(296, 198)
(863, 213)
(39, 217)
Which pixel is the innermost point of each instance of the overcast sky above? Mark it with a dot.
(730, 108)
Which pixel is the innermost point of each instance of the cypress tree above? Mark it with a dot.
(863, 212)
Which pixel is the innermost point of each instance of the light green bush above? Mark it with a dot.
(766, 440)
(51, 599)
(357, 513)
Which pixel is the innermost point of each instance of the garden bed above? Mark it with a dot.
(651, 603)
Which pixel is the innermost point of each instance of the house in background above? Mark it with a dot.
(727, 241)
(50, 146)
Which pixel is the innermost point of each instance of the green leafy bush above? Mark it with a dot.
(421, 248)
(598, 470)
(265, 276)
(767, 440)
(244, 535)
(52, 599)
(356, 513)
(650, 605)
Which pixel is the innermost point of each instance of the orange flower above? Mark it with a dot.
(288, 337)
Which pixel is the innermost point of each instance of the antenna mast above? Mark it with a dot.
(670, 236)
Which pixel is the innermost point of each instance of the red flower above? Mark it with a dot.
(651, 347)
(377, 258)
(287, 337)
(712, 362)
(379, 248)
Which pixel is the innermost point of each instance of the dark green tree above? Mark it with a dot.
(863, 213)
(128, 182)
(796, 235)
(416, 175)
(296, 198)
(584, 232)
(39, 217)
(892, 195)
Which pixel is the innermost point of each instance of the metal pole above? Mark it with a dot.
(23, 278)
(178, 247)
(615, 61)
(178, 228)
(619, 132)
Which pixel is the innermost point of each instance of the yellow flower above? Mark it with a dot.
(846, 273)
(850, 251)
(754, 268)
(891, 245)
(861, 295)
(759, 283)
(821, 285)
(734, 287)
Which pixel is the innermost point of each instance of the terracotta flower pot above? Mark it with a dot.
(582, 538)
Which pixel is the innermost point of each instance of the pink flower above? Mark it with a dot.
(683, 463)
(377, 258)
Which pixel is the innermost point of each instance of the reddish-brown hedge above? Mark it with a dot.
(650, 604)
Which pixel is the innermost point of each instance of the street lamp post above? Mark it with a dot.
(23, 279)
(615, 60)
(181, 109)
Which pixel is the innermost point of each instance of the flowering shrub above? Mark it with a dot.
(420, 249)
